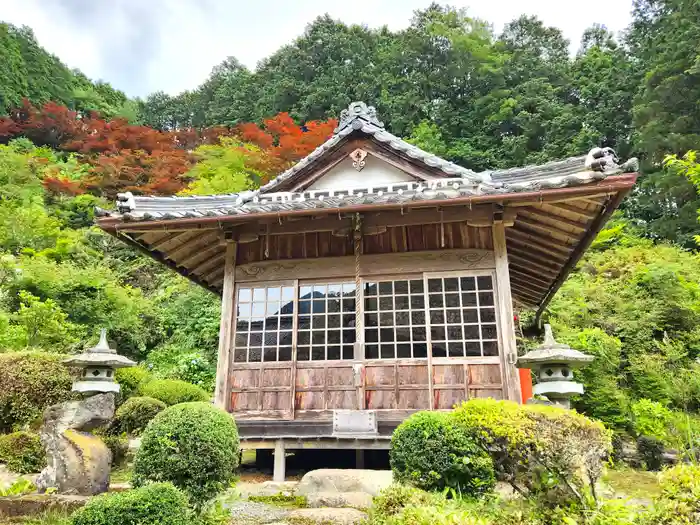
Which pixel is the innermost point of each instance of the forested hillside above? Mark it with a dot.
(450, 85)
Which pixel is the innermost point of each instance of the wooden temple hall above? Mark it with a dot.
(373, 279)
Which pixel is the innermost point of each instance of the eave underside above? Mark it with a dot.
(546, 239)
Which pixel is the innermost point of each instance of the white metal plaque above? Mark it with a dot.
(354, 423)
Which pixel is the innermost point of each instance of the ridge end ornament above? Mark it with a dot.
(358, 159)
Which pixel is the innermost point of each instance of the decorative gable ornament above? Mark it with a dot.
(354, 116)
(358, 159)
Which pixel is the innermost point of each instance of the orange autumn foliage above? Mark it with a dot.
(125, 157)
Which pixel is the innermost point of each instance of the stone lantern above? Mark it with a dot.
(78, 462)
(98, 364)
(553, 364)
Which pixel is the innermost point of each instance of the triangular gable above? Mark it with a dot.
(361, 142)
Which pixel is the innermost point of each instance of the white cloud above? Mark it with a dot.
(143, 46)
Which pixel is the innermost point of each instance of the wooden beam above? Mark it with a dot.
(538, 269)
(167, 239)
(221, 397)
(549, 242)
(525, 254)
(535, 288)
(208, 264)
(586, 214)
(536, 213)
(200, 254)
(533, 299)
(531, 278)
(509, 352)
(481, 215)
(194, 246)
(529, 272)
(536, 247)
(548, 228)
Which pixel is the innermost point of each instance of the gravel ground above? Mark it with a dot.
(254, 513)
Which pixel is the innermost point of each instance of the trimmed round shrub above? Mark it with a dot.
(431, 452)
(173, 391)
(651, 452)
(31, 381)
(133, 416)
(22, 452)
(130, 379)
(192, 445)
(156, 504)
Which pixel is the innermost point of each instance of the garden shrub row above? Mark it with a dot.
(22, 452)
(31, 381)
(537, 449)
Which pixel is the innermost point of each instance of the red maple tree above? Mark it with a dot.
(143, 160)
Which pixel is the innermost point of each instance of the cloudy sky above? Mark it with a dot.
(141, 46)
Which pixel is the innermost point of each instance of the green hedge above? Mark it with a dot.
(538, 448)
(130, 379)
(431, 452)
(22, 452)
(133, 416)
(31, 381)
(156, 504)
(172, 391)
(192, 445)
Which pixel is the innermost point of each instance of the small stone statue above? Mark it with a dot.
(79, 462)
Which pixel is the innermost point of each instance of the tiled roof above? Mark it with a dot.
(575, 171)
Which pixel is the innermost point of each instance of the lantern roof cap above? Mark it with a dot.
(100, 355)
(552, 352)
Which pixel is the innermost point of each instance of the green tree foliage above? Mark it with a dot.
(28, 71)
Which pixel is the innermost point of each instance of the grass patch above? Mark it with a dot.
(248, 457)
(121, 474)
(281, 500)
(633, 483)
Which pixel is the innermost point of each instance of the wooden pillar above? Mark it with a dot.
(222, 395)
(359, 458)
(278, 473)
(506, 324)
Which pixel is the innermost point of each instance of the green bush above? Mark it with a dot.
(118, 445)
(194, 446)
(22, 452)
(133, 416)
(130, 379)
(31, 381)
(155, 504)
(172, 391)
(431, 452)
(679, 501)
(538, 448)
(651, 418)
(395, 498)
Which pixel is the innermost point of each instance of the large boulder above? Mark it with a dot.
(78, 462)
(344, 480)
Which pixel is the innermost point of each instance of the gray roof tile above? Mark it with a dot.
(461, 182)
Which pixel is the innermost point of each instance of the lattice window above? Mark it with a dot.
(326, 322)
(462, 316)
(264, 323)
(395, 319)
